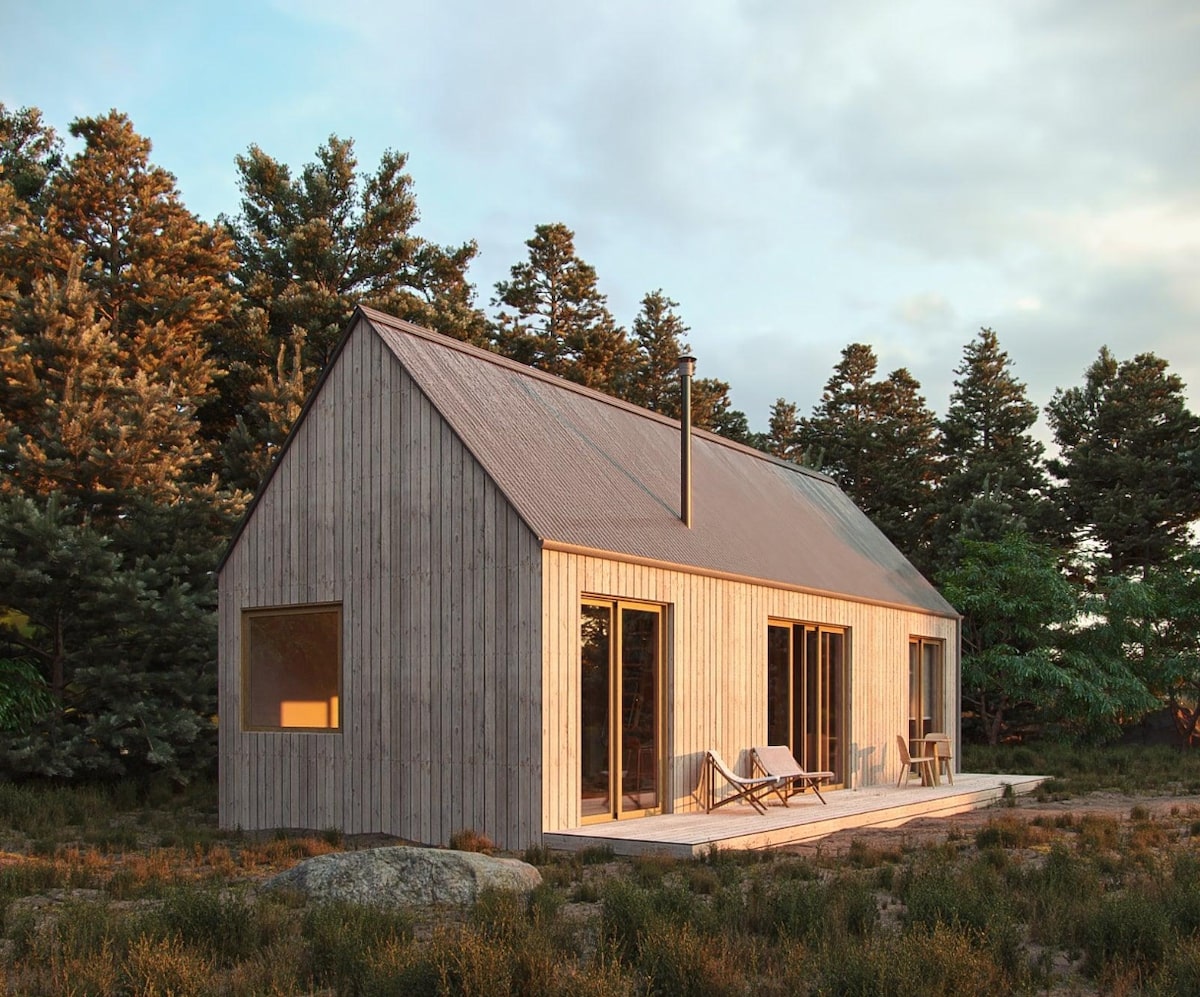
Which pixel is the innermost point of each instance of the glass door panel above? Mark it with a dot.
(620, 751)
(640, 644)
(806, 693)
(595, 695)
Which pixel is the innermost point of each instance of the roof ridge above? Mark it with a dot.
(375, 316)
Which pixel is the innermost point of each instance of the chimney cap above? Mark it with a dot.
(686, 366)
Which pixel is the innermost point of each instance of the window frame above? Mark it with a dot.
(249, 614)
(917, 691)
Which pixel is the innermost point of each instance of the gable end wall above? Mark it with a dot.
(376, 504)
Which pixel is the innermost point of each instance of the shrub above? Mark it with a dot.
(470, 840)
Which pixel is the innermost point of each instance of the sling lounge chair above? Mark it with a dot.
(744, 790)
(777, 760)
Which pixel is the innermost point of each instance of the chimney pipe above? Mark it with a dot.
(686, 368)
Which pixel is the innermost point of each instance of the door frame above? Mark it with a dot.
(617, 807)
(796, 697)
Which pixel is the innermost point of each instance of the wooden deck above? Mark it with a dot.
(688, 835)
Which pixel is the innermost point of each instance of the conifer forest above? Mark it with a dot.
(152, 363)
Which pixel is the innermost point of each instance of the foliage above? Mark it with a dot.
(24, 695)
(878, 440)
(1023, 656)
(1155, 623)
(105, 363)
(553, 316)
(1129, 462)
(988, 453)
(122, 629)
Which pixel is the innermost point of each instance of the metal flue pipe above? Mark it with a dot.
(686, 368)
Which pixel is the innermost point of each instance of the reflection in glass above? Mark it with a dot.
(595, 697)
(639, 671)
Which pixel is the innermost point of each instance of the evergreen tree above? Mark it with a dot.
(553, 316)
(30, 152)
(658, 333)
(312, 247)
(110, 292)
(987, 450)
(1129, 463)
(783, 431)
(116, 290)
(122, 630)
(878, 440)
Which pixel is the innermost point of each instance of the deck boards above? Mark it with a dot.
(688, 835)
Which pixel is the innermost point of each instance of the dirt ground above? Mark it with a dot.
(1182, 810)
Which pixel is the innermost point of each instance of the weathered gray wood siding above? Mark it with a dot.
(378, 505)
(717, 671)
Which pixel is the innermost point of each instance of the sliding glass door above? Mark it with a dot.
(621, 667)
(806, 695)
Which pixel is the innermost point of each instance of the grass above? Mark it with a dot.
(109, 892)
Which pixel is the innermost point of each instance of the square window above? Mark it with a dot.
(292, 668)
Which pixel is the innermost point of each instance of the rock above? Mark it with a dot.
(402, 876)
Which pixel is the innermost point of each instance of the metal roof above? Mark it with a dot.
(591, 472)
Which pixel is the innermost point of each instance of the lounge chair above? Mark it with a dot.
(749, 790)
(923, 763)
(777, 760)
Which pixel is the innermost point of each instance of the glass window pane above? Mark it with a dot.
(293, 658)
(779, 668)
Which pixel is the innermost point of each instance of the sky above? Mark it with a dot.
(798, 176)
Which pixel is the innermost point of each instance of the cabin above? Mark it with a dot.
(471, 595)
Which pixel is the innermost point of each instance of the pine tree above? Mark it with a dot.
(988, 451)
(1129, 463)
(783, 431)
(553, 316)
(30, 152)
(110, 254)
(909, 469)
(314, 246)
(110, 292)
(842, 425)
(878, 440)
(658, 333)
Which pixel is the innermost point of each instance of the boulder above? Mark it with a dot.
(402, 876)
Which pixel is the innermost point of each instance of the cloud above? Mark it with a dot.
(928, 310)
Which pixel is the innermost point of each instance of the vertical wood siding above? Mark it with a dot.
(717, 672)
(378, 505)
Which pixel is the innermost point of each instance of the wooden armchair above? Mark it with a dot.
(923, 763)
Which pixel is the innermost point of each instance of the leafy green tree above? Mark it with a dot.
(1129, 463)
(1155, 622)
(987, 449)
(1026, 659)
(552, 316)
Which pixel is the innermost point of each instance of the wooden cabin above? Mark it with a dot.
(465, 599)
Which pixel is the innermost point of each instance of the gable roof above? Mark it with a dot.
(595, 474)
(590, 472)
